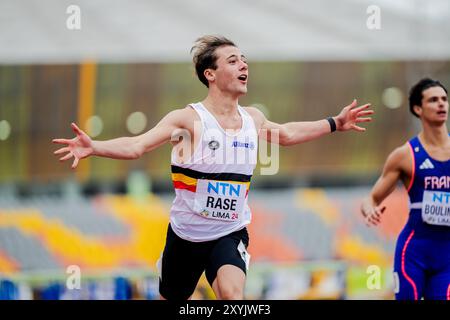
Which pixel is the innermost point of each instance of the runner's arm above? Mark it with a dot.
(371, 208)
(83, 146)
(292, 133)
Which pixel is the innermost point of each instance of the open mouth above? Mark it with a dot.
(243, 77)
(442, 112)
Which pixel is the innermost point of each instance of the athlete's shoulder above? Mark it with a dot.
(401, 152)
(253, 111)
(183, 116)
(400, 157)
(185, 111)
(257, 115)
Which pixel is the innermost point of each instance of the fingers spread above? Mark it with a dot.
(365, 113)
(75, 163)
(367, 119)
(357, 128)
(62, 150)
(66, 157)
(361, 108)
(75, 128)
(61, 141)
(353, 104)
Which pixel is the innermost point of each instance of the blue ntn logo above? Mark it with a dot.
(224, 188)
(441, 197)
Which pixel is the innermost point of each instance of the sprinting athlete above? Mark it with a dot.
(422, 254)
(215, 145)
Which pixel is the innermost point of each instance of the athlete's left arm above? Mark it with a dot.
(292, 133)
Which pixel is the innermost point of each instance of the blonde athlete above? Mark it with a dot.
(214, 154)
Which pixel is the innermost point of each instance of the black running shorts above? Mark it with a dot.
(183, 262)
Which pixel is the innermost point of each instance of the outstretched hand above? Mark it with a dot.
(351, 115)
(79, 147)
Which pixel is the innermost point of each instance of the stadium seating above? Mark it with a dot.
(119, 232)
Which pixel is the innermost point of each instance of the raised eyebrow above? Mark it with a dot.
(235, 56)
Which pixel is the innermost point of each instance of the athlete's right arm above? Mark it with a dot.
(83, 146)
(396, 165)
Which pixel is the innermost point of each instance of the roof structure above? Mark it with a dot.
(37, 31)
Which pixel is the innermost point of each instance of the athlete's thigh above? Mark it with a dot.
(182, 264)
(409, 268)
(438, 286)
(229, 250)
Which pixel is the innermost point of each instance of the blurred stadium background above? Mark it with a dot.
(129, 64)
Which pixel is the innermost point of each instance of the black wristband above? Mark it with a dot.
(332, 124)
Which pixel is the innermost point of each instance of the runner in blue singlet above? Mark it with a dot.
(422, 255)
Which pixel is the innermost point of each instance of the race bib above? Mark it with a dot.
(220, 200)
(436, 208)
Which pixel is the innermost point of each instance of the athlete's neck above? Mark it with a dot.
(435, 135)
(221, 104)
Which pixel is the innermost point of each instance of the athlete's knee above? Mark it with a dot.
(231, 292)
